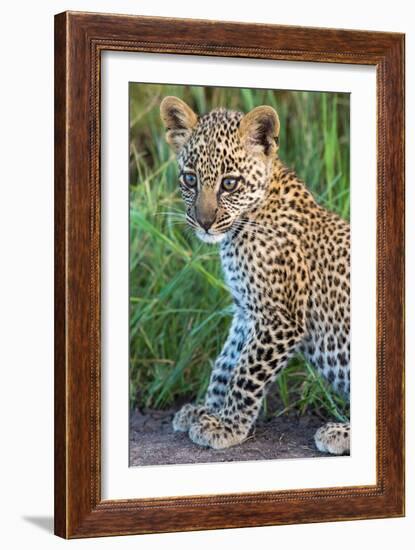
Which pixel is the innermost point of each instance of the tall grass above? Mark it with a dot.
(179, 306)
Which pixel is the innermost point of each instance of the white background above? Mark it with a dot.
(26, 126)
(119, 481)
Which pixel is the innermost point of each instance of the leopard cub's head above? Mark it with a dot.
(225, 161)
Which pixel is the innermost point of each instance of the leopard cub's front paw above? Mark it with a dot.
(187, 416)
(212, 431)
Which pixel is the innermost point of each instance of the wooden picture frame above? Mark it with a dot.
(79, 40)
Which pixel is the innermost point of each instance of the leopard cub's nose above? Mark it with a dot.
(205, 219)
(205, 223)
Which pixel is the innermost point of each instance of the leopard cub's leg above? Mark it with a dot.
(221, 373)
(265, 353)
(333, 438)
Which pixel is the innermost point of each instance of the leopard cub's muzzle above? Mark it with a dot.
(206, 208)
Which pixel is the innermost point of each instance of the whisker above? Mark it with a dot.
(191, 222)
(171, 213)
(254, 227)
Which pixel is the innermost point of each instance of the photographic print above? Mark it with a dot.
(239, 274)
(205, 199)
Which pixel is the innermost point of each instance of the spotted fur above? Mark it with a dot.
(285, 260)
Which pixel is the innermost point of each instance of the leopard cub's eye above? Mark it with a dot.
(189, 179)
(229, 183)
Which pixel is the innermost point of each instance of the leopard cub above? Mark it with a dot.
(285, 260)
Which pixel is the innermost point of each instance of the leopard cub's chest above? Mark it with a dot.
(235, 271)
(245, 272)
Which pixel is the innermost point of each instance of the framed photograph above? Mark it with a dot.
(229, 275)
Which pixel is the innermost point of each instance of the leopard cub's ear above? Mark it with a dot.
(259, 130)
(179, 120)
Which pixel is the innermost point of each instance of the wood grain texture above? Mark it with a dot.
(79, 40)
(60, 278)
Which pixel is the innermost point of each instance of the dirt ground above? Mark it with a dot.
(153, 441)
